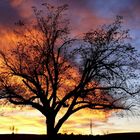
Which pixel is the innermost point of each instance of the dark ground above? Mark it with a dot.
(120, 136)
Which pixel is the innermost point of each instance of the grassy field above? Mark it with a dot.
(120, 136)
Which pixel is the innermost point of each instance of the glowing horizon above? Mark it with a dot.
(30, 121)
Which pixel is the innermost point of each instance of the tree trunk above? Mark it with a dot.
(50, 124)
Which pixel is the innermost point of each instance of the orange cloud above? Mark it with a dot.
(24, 8)
(7, 38)
(16, 3)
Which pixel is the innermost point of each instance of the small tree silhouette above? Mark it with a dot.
(48, 70)
(91, 127)
(13, 129)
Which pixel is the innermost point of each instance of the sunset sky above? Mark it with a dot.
(84, 15)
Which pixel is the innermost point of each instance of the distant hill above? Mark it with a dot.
(116, 136)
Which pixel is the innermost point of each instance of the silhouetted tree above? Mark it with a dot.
(48, 70)
(13, 129)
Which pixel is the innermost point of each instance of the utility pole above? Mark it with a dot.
(91, 126)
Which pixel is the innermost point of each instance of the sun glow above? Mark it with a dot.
(30, 121)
